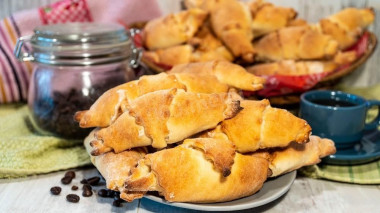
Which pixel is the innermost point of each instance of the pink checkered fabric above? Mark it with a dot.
(65, 11)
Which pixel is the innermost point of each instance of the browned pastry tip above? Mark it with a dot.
(98, 148)
(297, 155)
(233, 108)
(220, 152)
(264, 127)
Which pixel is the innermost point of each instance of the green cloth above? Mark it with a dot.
(360, 174)
(25, 153)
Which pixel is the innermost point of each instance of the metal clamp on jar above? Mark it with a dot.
(74, 64)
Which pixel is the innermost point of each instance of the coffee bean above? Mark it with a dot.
(87, 187)
(70, 174)
(55, 190)
(110, 193)
(117, 203)
(74, 187)
(83, 181)
(66, 180)
(93, 181)
(72, 198)
(116, 197)
(87, 193)
(102, 193)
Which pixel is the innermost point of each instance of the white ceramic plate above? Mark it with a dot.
(272, 190)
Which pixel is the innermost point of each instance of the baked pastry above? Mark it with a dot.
(164, 117)
(209, 77)
(298, 68)
(347, 25)
(173, 29)
(231, 21)
(297, 22)
(206, 5)
(296, 155)
(267, 17)
(115, 168)
(264, 127)
(202, 169)
(302, 42)
(207, 47)
(226, 72)
(171, 56)
(204, 46)
(186, 174)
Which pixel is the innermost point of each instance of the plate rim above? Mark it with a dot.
(204, 207)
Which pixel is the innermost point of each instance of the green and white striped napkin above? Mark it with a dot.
(361, 174)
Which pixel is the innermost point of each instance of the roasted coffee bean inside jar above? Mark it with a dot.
(75, 63)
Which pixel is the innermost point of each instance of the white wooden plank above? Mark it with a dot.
(306, 195)
(33, 195)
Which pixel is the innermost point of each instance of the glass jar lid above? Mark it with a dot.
(79, 44)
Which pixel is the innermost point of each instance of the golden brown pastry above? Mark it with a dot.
(297, 68)
(296, 155)
(347, 25)
(207, 47)
(206, 5)
(186, 174)
(297, 22)
(231, 21)
(226, 72)
(172, 29)
(259, 126)
(164, 117)
(115, 168)
(171, 56)
(303, 42)
(202, 169)
(201, 48)
(267, 17)
(113, 102)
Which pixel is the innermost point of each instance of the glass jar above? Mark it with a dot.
(73, 65)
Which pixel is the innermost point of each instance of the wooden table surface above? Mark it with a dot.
(32, 194)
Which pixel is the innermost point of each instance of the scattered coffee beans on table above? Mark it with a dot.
(55, 190)
(66, 180)
(93, 181)
(70, 174)
(87, 189)
(73, 198)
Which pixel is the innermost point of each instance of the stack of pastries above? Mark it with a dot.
(266, 38)
(189, 135)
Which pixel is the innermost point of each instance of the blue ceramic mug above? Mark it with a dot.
(337, 115)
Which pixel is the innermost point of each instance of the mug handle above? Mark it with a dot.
(376, 122)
